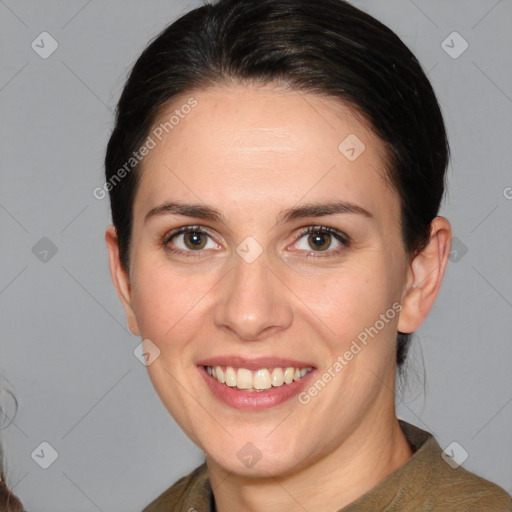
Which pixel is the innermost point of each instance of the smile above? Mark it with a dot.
(255, 390)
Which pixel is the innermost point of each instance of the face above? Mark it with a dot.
(302, 258)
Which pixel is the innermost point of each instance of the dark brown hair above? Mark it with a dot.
(8, 501)
(325, 47)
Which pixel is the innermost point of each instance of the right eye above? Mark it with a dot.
(189, 239)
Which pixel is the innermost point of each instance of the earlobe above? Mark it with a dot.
(120, 279)
(425, 274)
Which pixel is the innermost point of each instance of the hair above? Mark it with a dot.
(324, 47)
(8, 501)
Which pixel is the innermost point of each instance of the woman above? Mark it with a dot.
(275, 174)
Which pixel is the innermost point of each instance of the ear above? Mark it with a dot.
(424, 276)
(121, 279)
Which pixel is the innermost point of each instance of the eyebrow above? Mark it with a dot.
(320, 210)
(205, 212)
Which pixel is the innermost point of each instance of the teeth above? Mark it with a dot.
(230, 377)
(262, 379)
(244, 378)
(288, 375)
(277, 377)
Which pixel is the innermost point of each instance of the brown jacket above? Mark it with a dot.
(426, 482)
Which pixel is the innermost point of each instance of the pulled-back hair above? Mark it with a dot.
(325, 47)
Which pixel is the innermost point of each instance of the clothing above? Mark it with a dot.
(425, 483)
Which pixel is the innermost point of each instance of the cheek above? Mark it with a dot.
(167, 303)
(352, 291)
(350, 304)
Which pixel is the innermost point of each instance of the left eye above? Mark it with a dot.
(320, 239)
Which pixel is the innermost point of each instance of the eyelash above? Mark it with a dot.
(338, 235)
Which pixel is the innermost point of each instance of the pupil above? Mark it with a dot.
(195, 238)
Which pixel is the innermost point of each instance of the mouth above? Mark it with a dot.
(255, 389)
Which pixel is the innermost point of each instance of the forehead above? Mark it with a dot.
(245, 147)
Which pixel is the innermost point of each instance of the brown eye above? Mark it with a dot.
(319, 241)
(194, 240)
(189, 241)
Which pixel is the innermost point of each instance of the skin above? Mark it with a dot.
(252, 153)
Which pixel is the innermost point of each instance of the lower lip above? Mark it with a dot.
(254, 400)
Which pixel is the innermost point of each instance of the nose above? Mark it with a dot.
(253, 302)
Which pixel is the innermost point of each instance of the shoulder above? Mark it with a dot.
(189, 488)
(470, 492)
(431, 480)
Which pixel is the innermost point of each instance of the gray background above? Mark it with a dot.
(65, 348)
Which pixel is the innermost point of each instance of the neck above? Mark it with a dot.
(371, 453)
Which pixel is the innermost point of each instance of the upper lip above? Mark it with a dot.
(254, 363)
